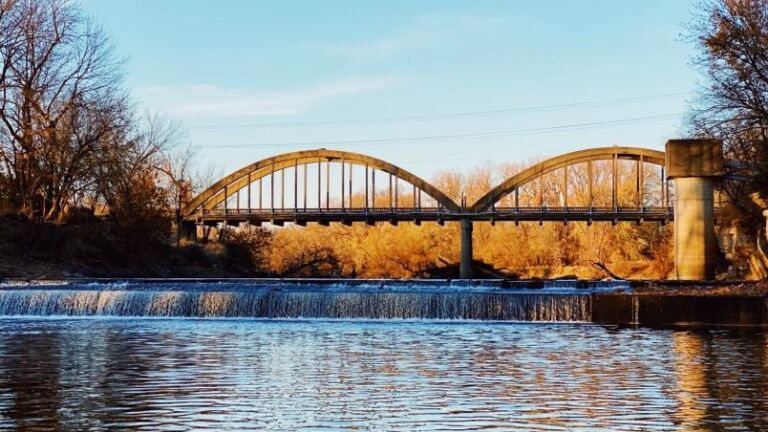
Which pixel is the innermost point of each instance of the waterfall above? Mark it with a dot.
(238, 301)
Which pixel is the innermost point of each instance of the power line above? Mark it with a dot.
(535, 108)
(497, 133)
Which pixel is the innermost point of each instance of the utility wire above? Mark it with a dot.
(496, 133)
(535, 108)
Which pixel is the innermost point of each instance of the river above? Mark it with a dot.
(117, 373)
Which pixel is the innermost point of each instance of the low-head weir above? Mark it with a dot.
(372, 300)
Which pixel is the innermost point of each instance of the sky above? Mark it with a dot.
(426, 85)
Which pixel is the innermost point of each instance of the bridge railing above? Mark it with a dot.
(523, 211)
(321, 210)
(545, 209)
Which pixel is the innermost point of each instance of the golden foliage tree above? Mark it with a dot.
(525, 250)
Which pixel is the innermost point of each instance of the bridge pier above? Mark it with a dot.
(187, 230)
(693, 165)
(465, 265)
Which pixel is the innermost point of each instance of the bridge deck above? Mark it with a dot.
(435, 214)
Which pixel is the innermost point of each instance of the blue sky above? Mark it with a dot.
(427, 85)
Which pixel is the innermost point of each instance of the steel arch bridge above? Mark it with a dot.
(325, 186)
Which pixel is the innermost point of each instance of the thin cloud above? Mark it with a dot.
(426, 33)
(384, 47)
(208, 99)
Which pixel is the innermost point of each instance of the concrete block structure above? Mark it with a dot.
(694, 165)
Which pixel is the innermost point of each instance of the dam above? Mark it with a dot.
(554, 301)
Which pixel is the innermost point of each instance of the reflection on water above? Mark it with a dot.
(98, 374)
(717, 381)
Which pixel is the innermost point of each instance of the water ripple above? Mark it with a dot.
(148, 375)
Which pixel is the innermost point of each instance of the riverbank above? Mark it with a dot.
(618, 287)
(699, 288)
(92, 247)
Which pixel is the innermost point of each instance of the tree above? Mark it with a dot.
(177, 167)
(61, 106)
(732, 36)
(130, 184)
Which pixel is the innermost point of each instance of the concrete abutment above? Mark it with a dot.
(694, 165)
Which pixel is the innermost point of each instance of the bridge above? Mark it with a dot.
(329, 186)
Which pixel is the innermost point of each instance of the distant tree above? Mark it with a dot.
(131, 186)
(527, 250)
(302, 252)
(732, 36)
(177, 165)
(245, 247)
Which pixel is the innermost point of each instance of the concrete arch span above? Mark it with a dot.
(230, 184)
(485, 202)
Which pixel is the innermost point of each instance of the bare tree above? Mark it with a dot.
(61, 107)
(178, 169)
(732, 36)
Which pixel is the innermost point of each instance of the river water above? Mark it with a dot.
(111, 373)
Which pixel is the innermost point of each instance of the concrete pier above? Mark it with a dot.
(187, 230)
(693, 165)
(695, 242)
(465, 266)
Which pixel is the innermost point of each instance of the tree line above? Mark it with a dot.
(524, 250)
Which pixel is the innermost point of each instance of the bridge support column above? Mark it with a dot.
(465, 265)
(693, 165)
(187, 230)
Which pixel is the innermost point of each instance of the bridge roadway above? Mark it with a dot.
(325, 216)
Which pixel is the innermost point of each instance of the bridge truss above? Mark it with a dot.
(326, 186)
